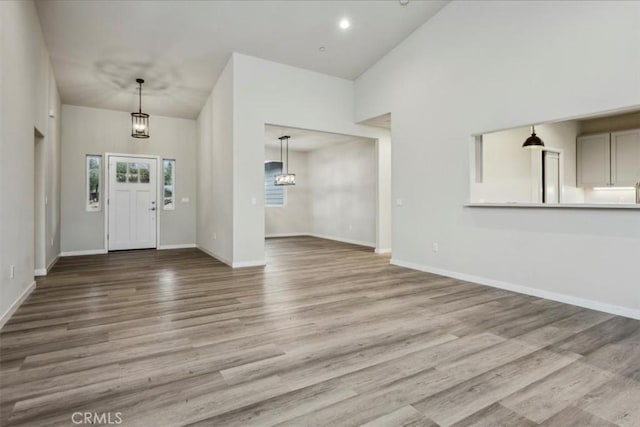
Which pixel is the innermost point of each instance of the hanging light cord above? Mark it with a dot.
(281, 151)
(140, 98)
(285, 165)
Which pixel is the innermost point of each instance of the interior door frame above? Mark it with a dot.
(159, 185)
(537, 157)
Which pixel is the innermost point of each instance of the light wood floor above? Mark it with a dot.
(326, 334)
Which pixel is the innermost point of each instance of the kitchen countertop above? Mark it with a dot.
(554, 206)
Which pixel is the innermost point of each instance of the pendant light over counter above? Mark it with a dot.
(139, 120)
(285, 178)
(533, 141)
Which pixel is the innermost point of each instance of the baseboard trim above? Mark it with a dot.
(216, 256)
(343, 240)
(554, 296)
(38, 272)
(383, 251)
(81, 253)
(240, 264)
(16, 304)
(177, 246)
(52, 263)
(245, 264)
(272, 236)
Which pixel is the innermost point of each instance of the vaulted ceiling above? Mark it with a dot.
(99, 48)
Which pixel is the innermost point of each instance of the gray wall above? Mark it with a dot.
(97, 131)
(343, 185)
(215, 169)
(28, 92)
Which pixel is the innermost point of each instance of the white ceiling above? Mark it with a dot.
(99, 48)
(306, 140)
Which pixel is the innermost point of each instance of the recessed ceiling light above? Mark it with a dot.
(322, 49)
(344, 23)
(404, 2)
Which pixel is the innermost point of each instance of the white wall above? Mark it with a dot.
(471, 69)
(27, 92)
(270, 93)
(97, 131)
(215, 169)
(343, 182)
(611, 195)
(295, 217)
(383, 195)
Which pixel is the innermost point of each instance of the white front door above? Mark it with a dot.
(132, 203)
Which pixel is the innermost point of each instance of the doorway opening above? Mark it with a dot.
(552, 176)
(335, 195)
(39, 199)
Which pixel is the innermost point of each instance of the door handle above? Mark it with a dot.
(152, 209)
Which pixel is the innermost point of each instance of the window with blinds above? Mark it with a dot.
(273, 194)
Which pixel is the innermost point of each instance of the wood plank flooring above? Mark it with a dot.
(327, 334)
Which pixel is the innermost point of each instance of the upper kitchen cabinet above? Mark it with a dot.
(625, 158)
(594, 160)
(609, 159)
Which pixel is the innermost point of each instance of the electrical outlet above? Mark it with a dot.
(12, 272)
(215, 236)
(399, 202)
(436, 247)
(254, 200)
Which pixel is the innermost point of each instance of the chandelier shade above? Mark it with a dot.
(286, 179)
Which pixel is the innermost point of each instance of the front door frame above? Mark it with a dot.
(159, 185)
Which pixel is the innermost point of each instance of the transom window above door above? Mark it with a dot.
(132, 173)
